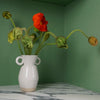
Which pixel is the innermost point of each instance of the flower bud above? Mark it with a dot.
(6, 14)
(61, 42)
(93, 41)
(27, 42)
(17, 33)
(46, 37)
(10, 37)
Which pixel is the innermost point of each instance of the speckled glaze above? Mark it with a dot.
(28, 74)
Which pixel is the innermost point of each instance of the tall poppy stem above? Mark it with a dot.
(76, 31)
(17, 40)
(52, 34)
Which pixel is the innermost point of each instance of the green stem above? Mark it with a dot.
(25, 51)
(19, 47)
(12, 21)
(52, 34)
(45, 35)
(75, 31)
(36, 39)
(43, 47)
(17, 40)
(30, 51)
(46, 45)
(39, 44)
(41, 35)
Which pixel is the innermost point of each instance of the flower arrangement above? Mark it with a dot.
(41, 34)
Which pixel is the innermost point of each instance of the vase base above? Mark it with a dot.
(28, 90)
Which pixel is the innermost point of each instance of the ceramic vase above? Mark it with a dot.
(28, 74)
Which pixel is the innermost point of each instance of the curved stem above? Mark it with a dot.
(40, 46)
(44, 46)
(36, 39)
(52, 34)
(45, 35)
(75, 31)
(12, 21)
(17, 40)
(47, 44)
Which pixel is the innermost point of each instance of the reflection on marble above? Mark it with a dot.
(48, 92)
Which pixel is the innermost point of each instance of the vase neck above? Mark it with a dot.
(29, 59)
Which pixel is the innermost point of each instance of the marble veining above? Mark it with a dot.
(57, 91)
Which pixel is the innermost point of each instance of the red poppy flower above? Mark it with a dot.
(39, 22)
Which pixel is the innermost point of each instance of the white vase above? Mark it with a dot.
(28, 74)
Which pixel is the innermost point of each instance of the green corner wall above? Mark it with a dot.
(78, 65)
(83, 60)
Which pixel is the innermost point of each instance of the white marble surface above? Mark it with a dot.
(48, 92)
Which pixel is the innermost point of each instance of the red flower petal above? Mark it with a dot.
(39, 22)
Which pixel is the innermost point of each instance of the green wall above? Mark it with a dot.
(78, 65)
(83, 60)
(22, 12)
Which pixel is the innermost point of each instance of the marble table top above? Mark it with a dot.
(58, 91)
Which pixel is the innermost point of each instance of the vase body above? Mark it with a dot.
(28, 74)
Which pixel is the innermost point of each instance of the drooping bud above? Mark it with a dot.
(17, 33)
(46, 37)
(93, 41)
(6, 14)
(11, 37)
(61, 42)
(27, 42)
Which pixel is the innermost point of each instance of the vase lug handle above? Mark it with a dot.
(17, 60)
(39, 61)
